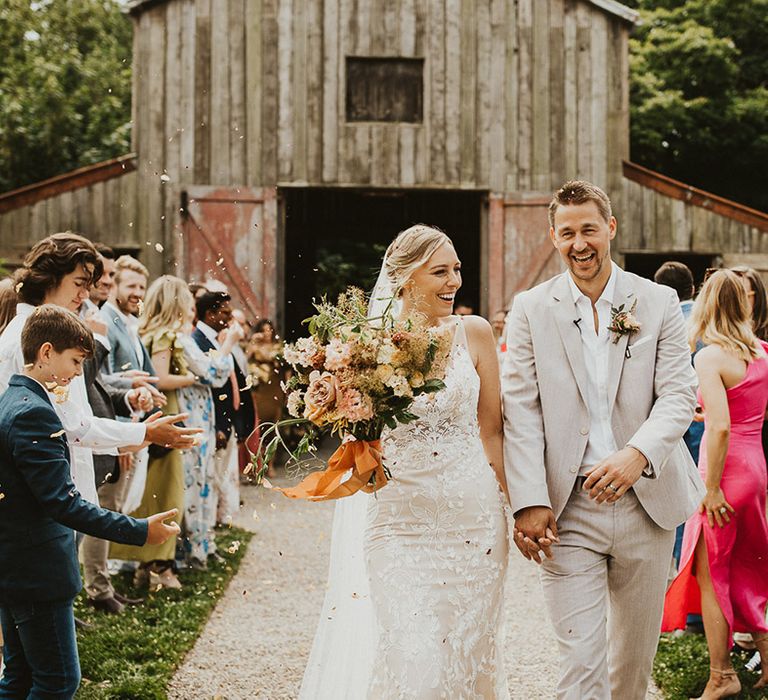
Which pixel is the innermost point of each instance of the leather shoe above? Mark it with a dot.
(107, 605)
(82, 624)
(125, 600)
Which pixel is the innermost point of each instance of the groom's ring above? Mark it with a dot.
(613, 488)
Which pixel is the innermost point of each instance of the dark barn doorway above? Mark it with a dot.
(337, 237)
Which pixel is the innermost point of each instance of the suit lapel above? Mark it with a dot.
(624, 293)
(565, 314)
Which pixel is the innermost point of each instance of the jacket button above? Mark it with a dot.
(574, 470)
(585, 430)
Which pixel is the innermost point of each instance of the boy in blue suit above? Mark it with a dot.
(39, 510)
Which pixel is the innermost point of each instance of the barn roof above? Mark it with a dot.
(612, 7)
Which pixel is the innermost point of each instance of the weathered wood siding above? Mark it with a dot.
(664, 216)
(103, 211)
(518, 96)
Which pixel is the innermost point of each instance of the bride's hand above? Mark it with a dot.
(535, 532)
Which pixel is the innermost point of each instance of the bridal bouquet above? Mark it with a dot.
(352, 376)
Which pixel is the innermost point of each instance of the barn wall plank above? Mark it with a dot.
(253, 91)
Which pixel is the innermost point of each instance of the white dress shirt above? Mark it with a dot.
(209, 333)
(86, 433)
(595, 346)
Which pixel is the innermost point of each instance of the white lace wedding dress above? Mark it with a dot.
(427, 622)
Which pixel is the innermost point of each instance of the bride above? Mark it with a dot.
(414, 601)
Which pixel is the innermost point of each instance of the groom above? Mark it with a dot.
(598, 391)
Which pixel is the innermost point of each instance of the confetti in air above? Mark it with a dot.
(58, 433)
(159, 247)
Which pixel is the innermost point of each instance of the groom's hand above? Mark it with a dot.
(611, 478)
(535, 532)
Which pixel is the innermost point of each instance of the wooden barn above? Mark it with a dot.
(273, 137)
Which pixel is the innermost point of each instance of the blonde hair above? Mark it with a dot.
(721, 316)
(166, 305)
(410, 250)
(126, 262)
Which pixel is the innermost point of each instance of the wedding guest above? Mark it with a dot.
(724, 563)
(39, 573)
(498, 322)
(756, 297)
(163, 318)
(758, 308)
(234, 406)
(598, 392)
(680, 278)
(128, 365)
(107, 401)
(121, 312)
(212, 372)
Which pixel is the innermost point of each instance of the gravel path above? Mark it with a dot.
(257, 641)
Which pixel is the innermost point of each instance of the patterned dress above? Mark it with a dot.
(198, 461)
(436, 550)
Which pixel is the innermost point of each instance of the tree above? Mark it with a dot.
(699, 99)
(65, 86)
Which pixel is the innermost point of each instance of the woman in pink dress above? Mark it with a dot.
(724, 563)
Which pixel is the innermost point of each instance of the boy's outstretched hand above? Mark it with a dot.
(158, 532)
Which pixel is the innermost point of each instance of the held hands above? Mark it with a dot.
(157, 531)
(162, 431)
(612, 477)
(535, 532)
(716, 507)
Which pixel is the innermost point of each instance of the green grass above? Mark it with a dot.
(681, 668)
(134, 655)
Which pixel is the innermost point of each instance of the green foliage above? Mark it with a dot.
(681, 668)
(345, 262)
(65, 86)
(134, 655)
(699, 100)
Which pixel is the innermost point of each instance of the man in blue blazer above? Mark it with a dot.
(40, 508)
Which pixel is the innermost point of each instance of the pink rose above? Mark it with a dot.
(320, 396)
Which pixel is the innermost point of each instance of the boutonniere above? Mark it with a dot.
(623, 322)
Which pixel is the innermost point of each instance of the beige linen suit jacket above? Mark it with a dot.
(651, 390)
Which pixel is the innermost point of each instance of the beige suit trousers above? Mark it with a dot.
(605, 594)
(94, 552)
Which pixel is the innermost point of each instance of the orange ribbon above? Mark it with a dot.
(363, 457)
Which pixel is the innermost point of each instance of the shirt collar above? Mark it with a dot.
(208, 332)
(608, 292)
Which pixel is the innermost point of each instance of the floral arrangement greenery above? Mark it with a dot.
(352, 376)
